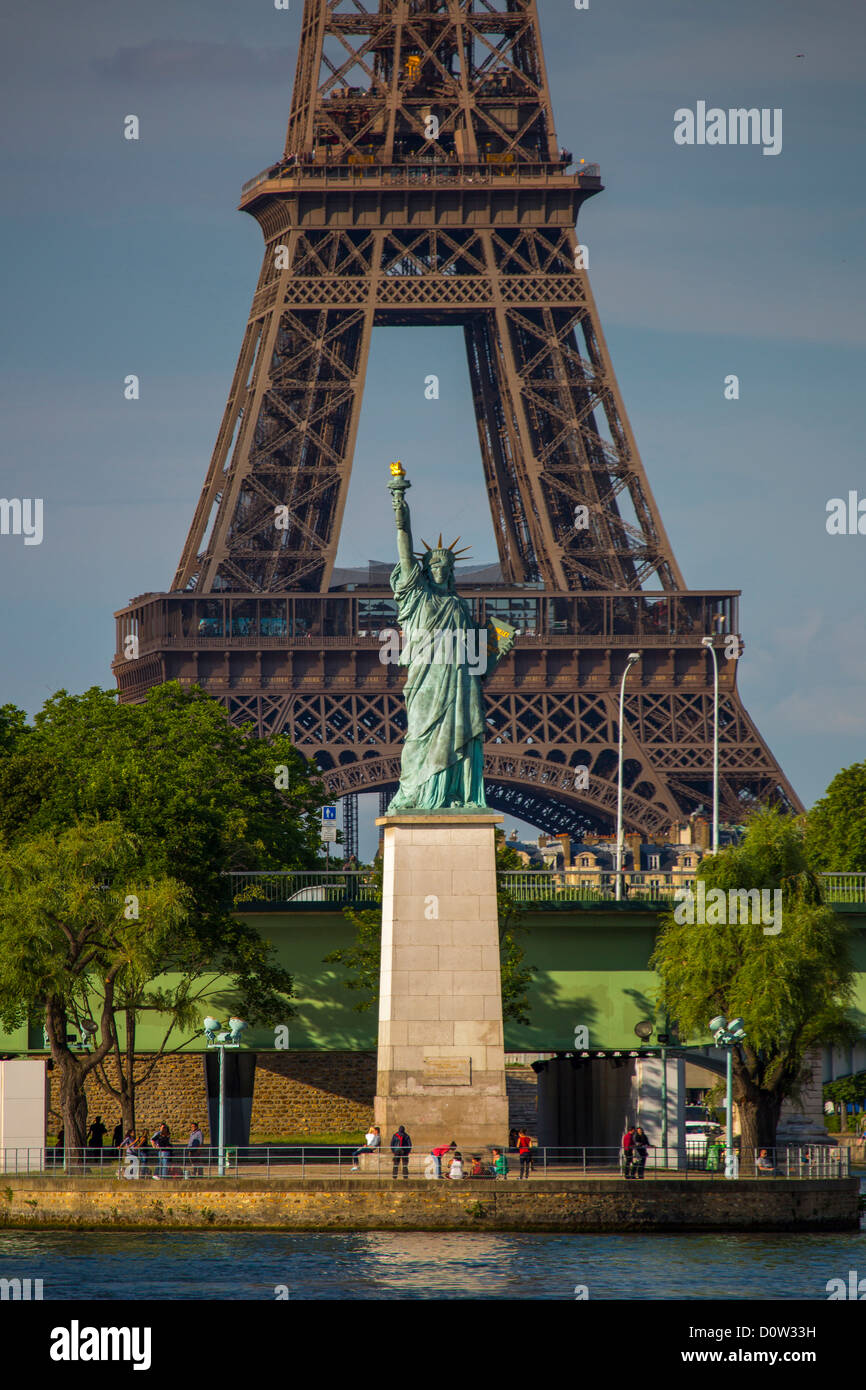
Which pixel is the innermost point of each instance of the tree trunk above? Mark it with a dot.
(127, 1082)
(73, 1099)
(759, 1116)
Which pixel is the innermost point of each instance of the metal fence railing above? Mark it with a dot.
(340, 886)
(288, 1161)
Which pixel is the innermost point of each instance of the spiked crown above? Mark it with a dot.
(441, 549)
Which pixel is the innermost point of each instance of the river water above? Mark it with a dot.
(175, 1265)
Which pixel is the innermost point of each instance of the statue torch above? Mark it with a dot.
(399, 483)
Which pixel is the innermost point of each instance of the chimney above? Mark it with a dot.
(565, 841)
(701, 832)
(633, 841)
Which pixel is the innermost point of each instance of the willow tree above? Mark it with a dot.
(789, 976)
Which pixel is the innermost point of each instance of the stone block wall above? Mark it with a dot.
(357, 1205)
(313, 1092)
(295, 1093)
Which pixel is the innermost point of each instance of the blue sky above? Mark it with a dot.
(131, 257)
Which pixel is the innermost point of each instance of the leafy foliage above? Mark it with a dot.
(836, 826)
(197, 792)
(189, 796)
(792, 989)
(848, 1089)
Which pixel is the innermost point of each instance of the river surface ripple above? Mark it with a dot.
(179, 1265)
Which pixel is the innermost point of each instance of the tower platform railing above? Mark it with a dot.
(421, 170)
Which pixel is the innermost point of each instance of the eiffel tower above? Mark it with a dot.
(422, 183)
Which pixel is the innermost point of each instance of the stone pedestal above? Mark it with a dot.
(441, 1064)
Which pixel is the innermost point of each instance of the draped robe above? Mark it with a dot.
(443, 752)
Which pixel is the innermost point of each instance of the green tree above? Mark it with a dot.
(199, 797)
(67, 945)
(200, 793)
(362, 958)
(846, 1090)
(792, 989)
(12, 723)
(836, 825)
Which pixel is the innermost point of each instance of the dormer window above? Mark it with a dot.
(584, 863)
(654, 861)
(687, 862)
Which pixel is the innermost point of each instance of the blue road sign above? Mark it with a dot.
(329, 813)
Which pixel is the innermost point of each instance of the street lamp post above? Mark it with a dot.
(219, 1042)
(708, 643)
(632, 658)
(728, 1035)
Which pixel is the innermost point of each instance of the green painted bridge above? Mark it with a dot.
(591, 954)
(592, 961)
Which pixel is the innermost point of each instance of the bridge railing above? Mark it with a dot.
(339, 887)
(844, 888)
(291, 888)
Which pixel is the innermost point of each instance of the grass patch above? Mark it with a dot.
(309, 1140)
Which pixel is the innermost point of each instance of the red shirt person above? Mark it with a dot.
(628, 1151)
(440, 1152)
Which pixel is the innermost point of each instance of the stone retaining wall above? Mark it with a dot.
(295, 1093)
(600, 1205)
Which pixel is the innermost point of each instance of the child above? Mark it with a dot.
(500, 1164)
(455, 1167)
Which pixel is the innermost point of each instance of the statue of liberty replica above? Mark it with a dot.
(448, 656)
(441, 1056)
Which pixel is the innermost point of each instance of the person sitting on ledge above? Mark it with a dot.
(500, 1164)
(372, 1142)
(764, 1163)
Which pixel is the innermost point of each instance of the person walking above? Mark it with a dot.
(161, 1141)
(641, 1149)
(193, 1147)
(524, 1151)
(141, 1149)
(126, 1150)
(628, 1152)
(401, 1147)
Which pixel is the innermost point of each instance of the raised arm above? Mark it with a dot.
(398, 485)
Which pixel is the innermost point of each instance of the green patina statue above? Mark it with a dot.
(448, 656)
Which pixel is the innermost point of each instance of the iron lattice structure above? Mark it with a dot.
(422, 183)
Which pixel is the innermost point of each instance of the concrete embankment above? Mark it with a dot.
(324, 1205)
